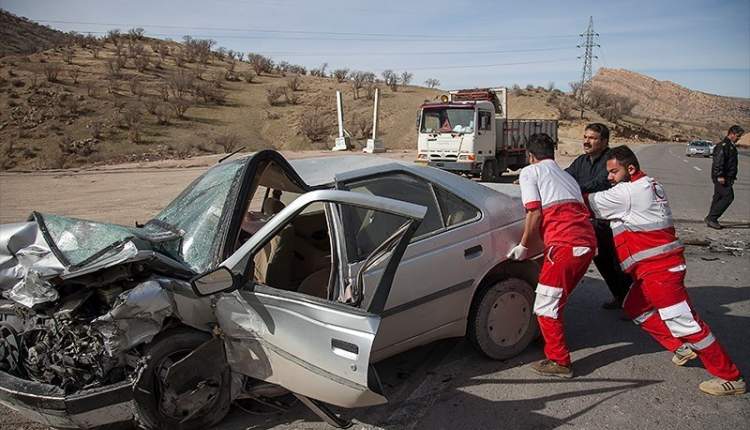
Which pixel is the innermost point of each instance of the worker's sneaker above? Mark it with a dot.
(550, 368)
(683, 355)
(722, 387)
(713, 223)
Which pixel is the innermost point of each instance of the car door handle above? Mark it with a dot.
(473, 252)
(344, 349)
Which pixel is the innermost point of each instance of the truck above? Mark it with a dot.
(469, 132)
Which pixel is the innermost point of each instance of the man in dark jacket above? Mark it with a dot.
(590, 171)
(723, 175)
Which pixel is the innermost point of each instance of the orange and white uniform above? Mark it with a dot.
(569, 244)
(648, 248)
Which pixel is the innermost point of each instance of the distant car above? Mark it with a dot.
(262, 276)
(700, 147)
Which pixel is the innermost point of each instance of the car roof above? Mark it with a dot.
(496, 199)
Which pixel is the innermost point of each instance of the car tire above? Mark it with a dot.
(173, 344)
(501, 319)
(489, 171)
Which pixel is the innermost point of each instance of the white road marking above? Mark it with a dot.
(697, 168)
(685, 161)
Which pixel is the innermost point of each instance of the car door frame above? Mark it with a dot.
(353, 385)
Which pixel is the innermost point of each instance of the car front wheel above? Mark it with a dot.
(195, 399)
(501, 320)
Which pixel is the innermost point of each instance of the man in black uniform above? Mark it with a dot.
(723, 175)
(590, 171)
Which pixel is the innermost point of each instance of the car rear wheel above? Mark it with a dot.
(501, 320)
(158, 406)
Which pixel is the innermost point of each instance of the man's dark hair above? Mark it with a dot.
(600, 128)
(541, 146)
(736, 129)
(624, 156)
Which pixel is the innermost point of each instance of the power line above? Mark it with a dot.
(564, 60)
(307, 32)
(410, 53)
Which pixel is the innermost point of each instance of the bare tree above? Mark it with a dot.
(73, 72)
(341, 74)
(432, 83)
(261, 64)
(68, 55)
(391, 79)
(406, 77)
(136, 86)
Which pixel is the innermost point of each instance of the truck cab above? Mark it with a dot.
(468, 132)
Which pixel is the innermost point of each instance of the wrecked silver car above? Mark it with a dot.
(282, 276)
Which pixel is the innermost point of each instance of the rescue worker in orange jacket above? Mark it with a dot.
(650, 252)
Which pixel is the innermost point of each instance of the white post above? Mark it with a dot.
(342, 142)
(375, 145)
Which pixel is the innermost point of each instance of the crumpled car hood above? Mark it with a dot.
(46, 246)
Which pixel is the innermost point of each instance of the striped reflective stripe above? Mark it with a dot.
(703, 343)
(651, 252)
(640, 319)
(659, 225)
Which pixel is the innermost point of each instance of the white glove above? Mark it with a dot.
(519, 252)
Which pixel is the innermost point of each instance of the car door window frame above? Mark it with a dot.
(345, 185)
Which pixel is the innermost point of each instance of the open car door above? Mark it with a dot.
(318, 347)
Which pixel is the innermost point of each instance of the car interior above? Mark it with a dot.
(298, 258)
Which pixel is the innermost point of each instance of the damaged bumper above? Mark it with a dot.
(88, 409)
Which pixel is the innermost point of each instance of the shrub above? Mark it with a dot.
(180, 106)
(274, 94)
(612, 107)
(340, 74)
(432, 83)
(313, 125)
(229, 142)
(260, 64)
(136, 86)
(180, 83)
(320, 71)
(291, 97)
(141, 61)
(68, 55)
(151, 104)
(248, 76)
(73, 72)
(113, 68)
(91, 88)
(163, 114)
(95, 127)
(210, 94)
(294, 83)
(163, 91)
(51, 71)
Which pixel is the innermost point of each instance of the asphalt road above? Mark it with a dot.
(623, 378)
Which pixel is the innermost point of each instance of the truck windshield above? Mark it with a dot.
(448, 120)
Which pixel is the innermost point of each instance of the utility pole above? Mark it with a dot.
(588, 45)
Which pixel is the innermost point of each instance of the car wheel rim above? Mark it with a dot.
(170, 403)
(508, 319)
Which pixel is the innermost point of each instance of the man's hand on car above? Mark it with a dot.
(519, 252)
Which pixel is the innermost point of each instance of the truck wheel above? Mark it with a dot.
(158, 407)
(501, 320)
(489, 171)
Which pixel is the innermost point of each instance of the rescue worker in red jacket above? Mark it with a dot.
(556, 214)
(650, 252)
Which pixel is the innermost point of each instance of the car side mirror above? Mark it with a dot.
(219, 280)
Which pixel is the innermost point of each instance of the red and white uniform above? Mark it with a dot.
(649, 250)
(569, 243)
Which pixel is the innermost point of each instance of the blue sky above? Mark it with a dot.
(704, 45)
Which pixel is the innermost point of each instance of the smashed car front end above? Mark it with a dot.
(82, 301)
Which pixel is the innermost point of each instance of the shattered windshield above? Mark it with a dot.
(80, 241)
(448, 120)
(198, 211)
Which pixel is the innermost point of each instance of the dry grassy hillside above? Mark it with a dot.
(75, 105)
(21, 36)
(672, 110)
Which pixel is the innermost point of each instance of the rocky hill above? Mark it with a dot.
(673, 109)
(20, 36)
